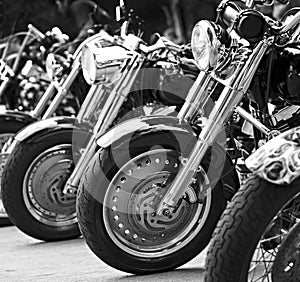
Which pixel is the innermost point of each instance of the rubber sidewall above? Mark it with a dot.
(242, 225)
(13, 176)
(90, 217)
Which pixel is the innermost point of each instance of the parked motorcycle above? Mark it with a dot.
(35, 193)
(70, 88)
(63, 68)
(253, 240)
(23, 77)
(153, 193)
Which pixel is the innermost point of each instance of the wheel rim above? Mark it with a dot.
(43, 184)
(4, 138)
(266, 251)
(131, 200)
(287, 263)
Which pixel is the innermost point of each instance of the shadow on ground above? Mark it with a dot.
(181, 274)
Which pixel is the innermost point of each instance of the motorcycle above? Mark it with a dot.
(154, 191)
(37, 198)
(63, 68)
(70, 88)
(257, 237)
(23, 76)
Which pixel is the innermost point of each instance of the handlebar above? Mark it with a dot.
(35, 31)
(162, 43)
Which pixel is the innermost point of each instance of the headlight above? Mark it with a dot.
(100, 64)
(205, 45)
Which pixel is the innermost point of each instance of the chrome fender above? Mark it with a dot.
(20, 117)
(137, 127)
(36, 131)
(179, 132)
(278, 161)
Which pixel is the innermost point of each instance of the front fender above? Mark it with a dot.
(37, 130)
(135, 128)
(172, 130)
(278, 161)
(20, 117)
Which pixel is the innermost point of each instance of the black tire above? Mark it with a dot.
(32, 215)
(90, 216)
(242, 225)
(8, 128)
(4, 221)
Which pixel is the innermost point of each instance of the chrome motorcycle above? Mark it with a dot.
(23, 77)
(34, 190)
(63, 97)
(152, 195)
(63, 68)
(257, 237)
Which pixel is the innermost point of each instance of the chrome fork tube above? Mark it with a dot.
(40, 107)
(228, 100)
(90, 102)
(117, 98)
(105, 119)
(189, 105)
(24, 43)
(74, 179)
(64, 88)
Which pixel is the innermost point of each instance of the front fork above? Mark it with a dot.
(62, 90)
(105, 119)
(233, 92)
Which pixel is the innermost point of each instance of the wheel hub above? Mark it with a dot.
(143, 205)
(44, 183)
(133, 197)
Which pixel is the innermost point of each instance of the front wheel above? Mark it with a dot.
(249, 234)
(32, 185)
(8, 129)
(116, 210)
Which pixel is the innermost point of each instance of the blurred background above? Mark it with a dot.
(159, 15)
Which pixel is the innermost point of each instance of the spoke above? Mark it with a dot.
(263, 263)
(265, 254)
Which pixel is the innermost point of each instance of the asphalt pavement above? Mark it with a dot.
(23, 258)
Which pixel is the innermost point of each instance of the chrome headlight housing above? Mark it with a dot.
(100, 64)
(205, 45)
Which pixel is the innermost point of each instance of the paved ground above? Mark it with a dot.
(25, 259)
